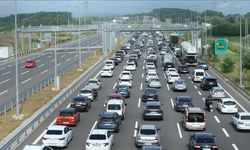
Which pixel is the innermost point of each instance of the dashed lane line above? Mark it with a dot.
(225, 132)
(217, 119)
(3, 92)
(179, 130)
(235, 147)
(172, 103)
(139, 103)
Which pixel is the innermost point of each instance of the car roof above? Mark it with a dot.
(56, 127)
(98, 131)
(147, 126)
(217, 87)
(227, 99)
(203, 134)
(244, 113)
(115, 101)
(153, 103)
(105, 114)
(210, 77)
(173, 73)
(194, 110)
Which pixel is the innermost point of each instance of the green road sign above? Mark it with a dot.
(168, 21)
(220, 47)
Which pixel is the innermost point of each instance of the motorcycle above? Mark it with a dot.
(209, 107)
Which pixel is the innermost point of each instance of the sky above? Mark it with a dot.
(120, 7)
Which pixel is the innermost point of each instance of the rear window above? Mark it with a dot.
(109, 62)
(245, 117)
(79, 99)
(174, 75)
(211, 80)
(107, 119)
(106, 69)
(229, 103)
(199, 73)
(114, 107)
(54, 132)
(195, 117)
(97, 137)
(147, 131)
(63, 113)
(92, 81)
(86, 91)
(150, 91)
(153, 107)
(205, 139)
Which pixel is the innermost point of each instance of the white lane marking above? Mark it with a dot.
(141, 86)
(136, 124)
(52, 60)
(2, 68)
(142, 75)
(235, 147)
(40, 65)
(217, 119)
(10, 66)
(49, 56)
(143, 67)
(203, 99)
(144, 61)
(179, 130)
(189, 77)
(225, 132)
(4, 81)
(165, 76)
(75, 55)
(6, 73)
(93, 127)
(38, 60)
(97, 75)
(58, 64)
(4, 92)
(24, 72)
(199, 92)
(114, 86)
(135, 133)
(44, 71)
(236, 100)
(63, 56)
(68, 59)
(168, 87)
(139, 103)
(26, 80)
(172, 102)
(195, 87)
(22, 67)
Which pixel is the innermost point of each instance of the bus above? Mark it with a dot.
(188, 53)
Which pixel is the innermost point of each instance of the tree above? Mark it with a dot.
(227, 65)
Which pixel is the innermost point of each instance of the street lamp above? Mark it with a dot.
(79, 40)
(241, 67)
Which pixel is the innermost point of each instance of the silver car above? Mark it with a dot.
(179, 85)
(147, 135)
(154, 83)
(217, 92)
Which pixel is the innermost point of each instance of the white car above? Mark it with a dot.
(154, 83)
(37, 147)
(227, 105)
(106, 72)
(149, 65)
(173, 76)
(99, 139)
(130, 66)
(110, 63)
(163, 52)
(126, 73)
(241, 120)
(88, 93)
(150, 75)
(134, 56)
(217, 92)
(170, 70)
(58, 136)
(125, 80)
(94, 84)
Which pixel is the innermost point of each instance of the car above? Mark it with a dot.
(132, 60)
(208, 82)
(37, 147)
(183, 68)
(227, 105)
(125, 81)
(118, 106)
(153, 110)
(163, 52)
(115, 96)
(116, 61)
(194, 119)
(152, 58)
(149, 64)
(198, 75)
(81, 103)
(173, 76)
(68, 117)
(179, 85)
(138, 52)
(170, 70)
(119, 58)
(94, 83)
(204, 64)
(151, 74)
(106, 72)
(241, 121)
(88, 93)
(147, 135)
(110, 64)
(123, 90)
(217, 92)
(202, 141)
(110, 121)
(130, 66)
(126, 73)
(30, 64)
(154, 83)
(134, 56)
(99, 139)
(152, 147)
(182, 102)
(149, 94)
(57, 136)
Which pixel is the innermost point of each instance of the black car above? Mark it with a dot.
(200, 67)
(133, 60)
(110, 121)
(182, 102)
(208, 82)
(202, 140)
(183, 68)
(149, 94)
(152, 147)
(204, 64)
(81, 103)
(123, 90)
(153, 110)
(116, 61)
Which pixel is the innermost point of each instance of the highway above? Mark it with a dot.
(30, 77)
(172, 134)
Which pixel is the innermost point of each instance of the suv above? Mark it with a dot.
(202, 141)
(208, 82)
(147, 135)
(153, 110)
(149, 94)
(110, 121)
(204, 64)
(81, 103)
(194, 119)
(183, 68)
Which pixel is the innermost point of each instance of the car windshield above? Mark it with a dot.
(245, 117)
(205, 139)
(184, 67)
(125, 80)
(179, 82)
(153, 107)
(107, 119)
(85, 91)
(97, 137)
(64, 113)
(229, 103)
(122, 88)
(92, 81)
(54, 132)
(114, 107)
(148, 131)
(195, 117)
(150, 91)
(218, 91)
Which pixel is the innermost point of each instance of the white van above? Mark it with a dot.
(116, 105)
(110, 63)
(198, 75)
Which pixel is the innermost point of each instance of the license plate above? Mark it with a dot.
(153, 112)
(78, 105)
(206, 149)
(185, 105)
(247, 124)
(65, 122)
(96, 144)
(107, 124)
(150, 99)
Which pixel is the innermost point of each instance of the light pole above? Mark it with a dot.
(79, 40)
(241, 85)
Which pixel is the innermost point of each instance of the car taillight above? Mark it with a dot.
(61, 138)
(87, 144)
(44, 138)
(106, 144)
(196, 147)
(214, 147)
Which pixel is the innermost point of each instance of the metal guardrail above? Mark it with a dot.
(27, 127)
(34, 89)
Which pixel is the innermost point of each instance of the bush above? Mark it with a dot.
(227, 65)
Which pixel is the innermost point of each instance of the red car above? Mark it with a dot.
(68, 116)
(30, 64)
(115, 96)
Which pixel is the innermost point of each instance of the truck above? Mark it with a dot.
(167, 61)
(174, 40)
(6, 52)
(188, 53)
